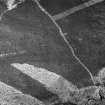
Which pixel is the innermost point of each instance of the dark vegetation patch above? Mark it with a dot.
(87, 35)
(86, 32)
(57, 6)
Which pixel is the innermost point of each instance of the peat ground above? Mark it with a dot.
(28, 28)
(85, 31)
